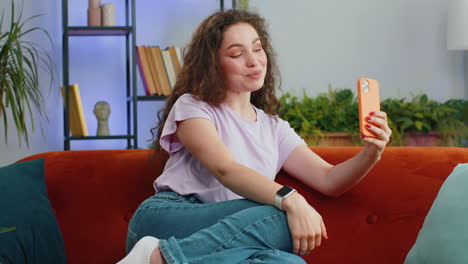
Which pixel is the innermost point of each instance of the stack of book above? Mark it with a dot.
(158, 68)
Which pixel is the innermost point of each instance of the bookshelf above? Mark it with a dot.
(128, 34)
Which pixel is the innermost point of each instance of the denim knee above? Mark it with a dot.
(144, 221)
(131, 240)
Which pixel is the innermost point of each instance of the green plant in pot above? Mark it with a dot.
(453, 125)
(20, 62)
(422, 117)
(314, 118)
(337, 111)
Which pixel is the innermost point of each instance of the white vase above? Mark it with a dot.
(108, 15)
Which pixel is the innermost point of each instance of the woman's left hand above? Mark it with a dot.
(377, 125)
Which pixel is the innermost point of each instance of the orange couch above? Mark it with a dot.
(94, 193)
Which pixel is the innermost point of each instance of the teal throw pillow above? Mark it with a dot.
(29, 232)
(444, 235)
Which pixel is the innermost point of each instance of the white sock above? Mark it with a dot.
(141, 252)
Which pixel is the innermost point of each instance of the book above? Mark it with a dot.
(170, 68)
(180, 57)
(161, 70)
(76, 115)
(175, 54)
(154, 72)
(145, 71)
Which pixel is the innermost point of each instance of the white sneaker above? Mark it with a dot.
(141, 252)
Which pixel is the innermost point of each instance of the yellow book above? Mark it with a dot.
(161, 70)
(76, 114)
(175, 57)
(145, 70)
(154, 73)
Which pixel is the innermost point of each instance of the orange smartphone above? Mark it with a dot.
(369, 101)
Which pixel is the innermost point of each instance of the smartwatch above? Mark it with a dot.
(281, 194)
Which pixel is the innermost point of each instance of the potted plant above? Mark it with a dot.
(332, 119)
(453, 128)
(424, 122)
(328, 119)
(20, 61)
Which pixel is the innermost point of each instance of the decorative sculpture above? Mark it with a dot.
(102, 112)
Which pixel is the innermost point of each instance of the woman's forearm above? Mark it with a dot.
(345, 175)
(256, 187)
(248, 183)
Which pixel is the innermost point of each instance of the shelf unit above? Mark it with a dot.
(129, 32)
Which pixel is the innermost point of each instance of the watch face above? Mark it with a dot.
(285, 190)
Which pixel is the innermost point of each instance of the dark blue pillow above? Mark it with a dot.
(29, 232)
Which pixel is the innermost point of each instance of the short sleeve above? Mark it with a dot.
(186, 107)
(288, 140)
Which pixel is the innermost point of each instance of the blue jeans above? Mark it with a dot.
(238, 231)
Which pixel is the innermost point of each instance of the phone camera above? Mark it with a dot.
(365, 86)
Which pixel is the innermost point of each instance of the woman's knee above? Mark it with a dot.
(265, 224)
(262, 215)
(164, 218)
(149, 220)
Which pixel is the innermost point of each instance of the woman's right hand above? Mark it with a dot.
(305, 224)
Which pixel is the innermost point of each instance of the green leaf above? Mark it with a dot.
(334, 111)
(7, 229)
(20, 62)
(418, 125)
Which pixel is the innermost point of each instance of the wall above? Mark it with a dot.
(400, 43)
(49, 137)
(97, 64)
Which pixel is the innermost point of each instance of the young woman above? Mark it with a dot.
(217, 201)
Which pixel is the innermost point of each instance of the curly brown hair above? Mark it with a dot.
(201, 75)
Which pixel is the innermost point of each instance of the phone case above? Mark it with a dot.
(369, 101)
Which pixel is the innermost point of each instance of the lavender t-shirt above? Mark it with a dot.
(263, 145)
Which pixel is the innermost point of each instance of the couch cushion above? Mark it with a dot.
(444, 236)
(28, 229)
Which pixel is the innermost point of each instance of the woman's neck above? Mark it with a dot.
(240, 103)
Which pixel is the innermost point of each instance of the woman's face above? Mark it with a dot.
(242, 59)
